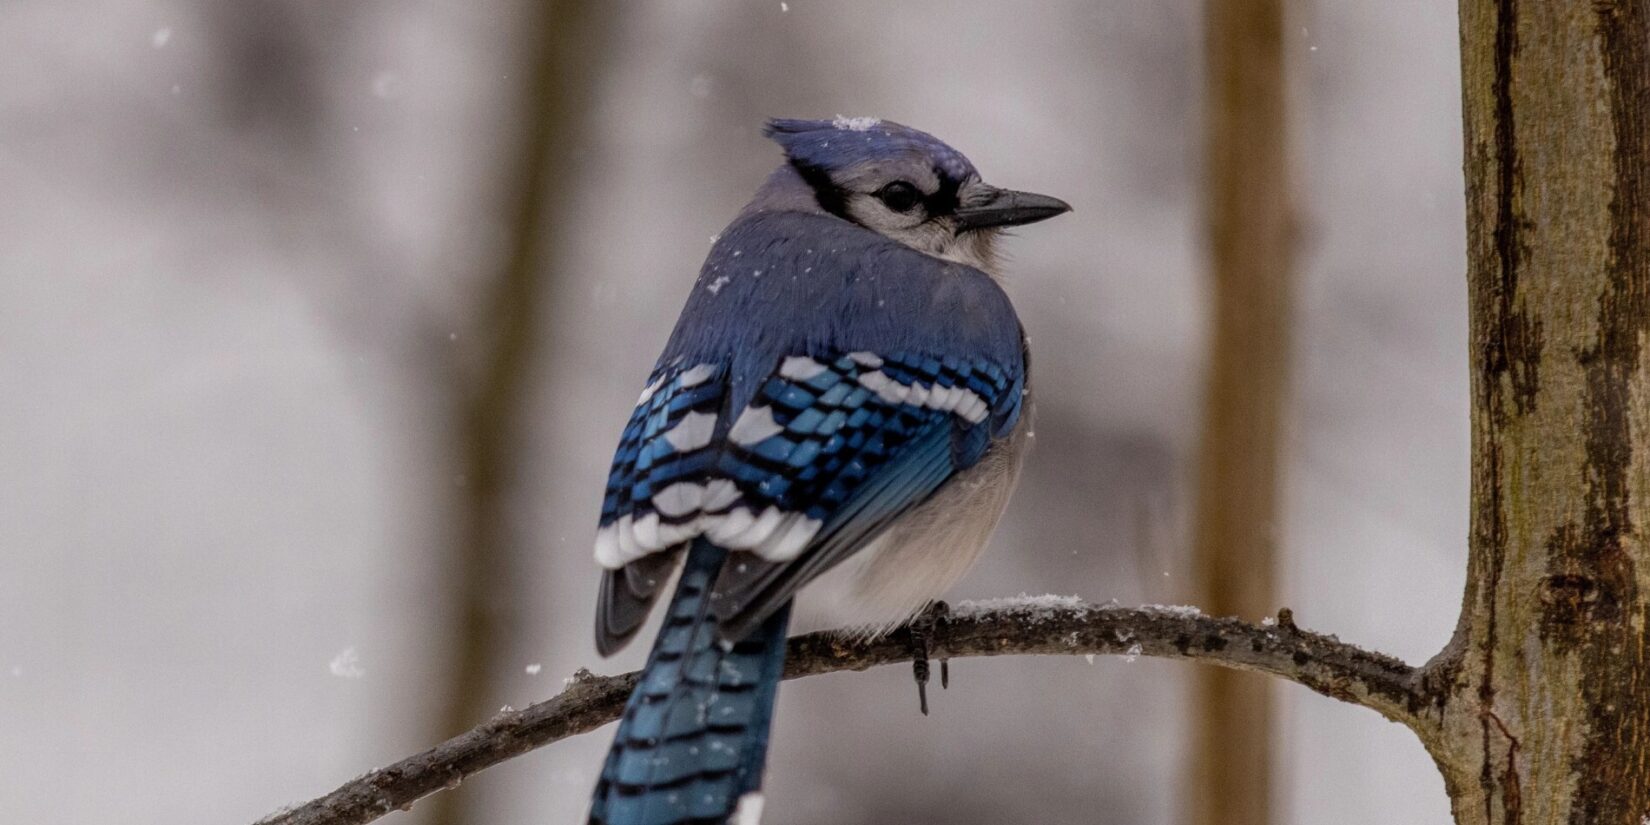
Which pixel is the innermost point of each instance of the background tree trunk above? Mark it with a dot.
(1249, 220)
(560, 57)
(1542, 708)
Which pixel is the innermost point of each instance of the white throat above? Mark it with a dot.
(977, 249)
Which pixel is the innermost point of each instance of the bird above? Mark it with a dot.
(840, 413)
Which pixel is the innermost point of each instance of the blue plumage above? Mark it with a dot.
(692, 737)
(827, 376)
(645, 460)
(787, 283)
(843, 142)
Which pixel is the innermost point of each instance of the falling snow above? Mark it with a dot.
(386, 85)
(347, 664)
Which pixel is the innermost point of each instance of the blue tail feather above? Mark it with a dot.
(694, 736)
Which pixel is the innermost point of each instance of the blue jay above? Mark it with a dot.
(842, 406)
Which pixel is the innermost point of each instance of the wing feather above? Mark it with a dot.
(831, 449)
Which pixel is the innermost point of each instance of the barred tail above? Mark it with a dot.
(694, 735)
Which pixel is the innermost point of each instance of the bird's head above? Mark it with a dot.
(906, 185)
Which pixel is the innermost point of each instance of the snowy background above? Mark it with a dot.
(233, 233)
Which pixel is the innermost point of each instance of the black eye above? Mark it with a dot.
(899, 196)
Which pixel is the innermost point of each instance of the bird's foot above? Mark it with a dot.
(923, 627)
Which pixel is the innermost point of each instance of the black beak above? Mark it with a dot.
(1006, 207)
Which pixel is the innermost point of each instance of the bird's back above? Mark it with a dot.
(788, 283)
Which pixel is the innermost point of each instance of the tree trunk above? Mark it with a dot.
(561, 55)
(1540, 707)
(1249, 222)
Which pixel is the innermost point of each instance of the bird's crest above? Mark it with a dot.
(844, 142)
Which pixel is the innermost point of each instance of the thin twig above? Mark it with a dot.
(1000, 627)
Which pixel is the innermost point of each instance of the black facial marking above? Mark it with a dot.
(831, 198)
(944, 200)
(834, 199)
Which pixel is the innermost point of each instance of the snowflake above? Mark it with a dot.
(856, 124)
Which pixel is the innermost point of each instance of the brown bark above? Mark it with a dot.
(1322, 663)
(1545, 715)
(1249, 223)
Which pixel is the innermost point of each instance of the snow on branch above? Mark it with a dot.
(1046, 625)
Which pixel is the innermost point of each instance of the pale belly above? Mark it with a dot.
(920, 556)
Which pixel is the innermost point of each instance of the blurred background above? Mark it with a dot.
(319, 322)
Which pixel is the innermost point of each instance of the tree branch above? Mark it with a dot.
(999, 627)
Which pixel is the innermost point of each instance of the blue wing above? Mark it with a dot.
(654, 453)
(830, 449)
(858, 440)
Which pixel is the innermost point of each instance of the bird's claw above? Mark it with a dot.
(922, 629)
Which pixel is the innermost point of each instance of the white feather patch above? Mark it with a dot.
(671, 535)
(758, 531)
(607, 547)
(719, 494)
(866, 359)
(889, 390)
(694, 376)
(972, 408)
(628, 550)
(773, 535)
(800, 368)
(694, 431)
(960, 400)
(647, 532)
(787, 542)
(650, 389)
(749, 809)
(754, 426)
(724, 529)
(943, 398)
(680, 498)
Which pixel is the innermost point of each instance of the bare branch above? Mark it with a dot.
(999, 627)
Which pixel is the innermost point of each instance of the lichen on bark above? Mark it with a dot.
(1548, 719)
